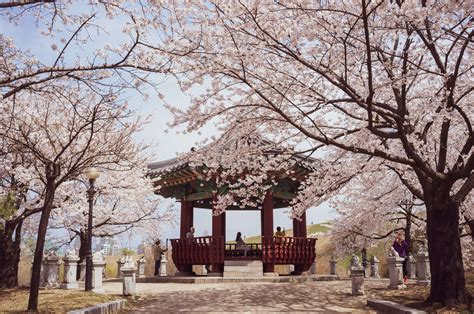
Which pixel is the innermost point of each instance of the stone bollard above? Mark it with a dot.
(82, 273)
(120, 264)
(374, 267)
(42, 272)
(332, 266)
(411, 267)
(357, 276)
(98, 264)
(51, 270)
(313, 269)
(70, 271)
(395, 270)
(163, 266)
(129, 277)
(141, 267)
(422, 267)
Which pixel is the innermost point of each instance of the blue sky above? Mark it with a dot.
(165, 145)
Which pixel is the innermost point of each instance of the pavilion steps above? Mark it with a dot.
(236, 268)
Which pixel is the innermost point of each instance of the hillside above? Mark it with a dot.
(325, 249)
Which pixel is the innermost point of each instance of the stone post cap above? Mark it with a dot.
(354, 260)
(97, 258)
(411, 258)
(374, 259)
(395, 259)
(419, 256)
(52, 258)
(71, 255)
(333, 260)
(393, 253)
(129, 264)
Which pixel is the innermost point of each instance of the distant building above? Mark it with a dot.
(141, 248)
(109, 246)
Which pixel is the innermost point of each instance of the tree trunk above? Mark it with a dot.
(408, 232)
(9, 256)
(444, 246)
(82, 252)
(52, 172)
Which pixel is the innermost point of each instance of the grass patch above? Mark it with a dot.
(16, 300)
(415, 295)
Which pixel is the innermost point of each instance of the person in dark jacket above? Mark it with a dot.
(401, 246)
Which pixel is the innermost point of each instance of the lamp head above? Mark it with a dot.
(92, 173)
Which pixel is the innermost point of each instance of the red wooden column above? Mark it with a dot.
(187, 218)
(299, 230)
(267, 226)
(218, 230)
(299, 226)
(186, 222)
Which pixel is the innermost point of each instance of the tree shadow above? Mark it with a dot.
(330, 297)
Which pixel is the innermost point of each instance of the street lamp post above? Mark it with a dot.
(92, 174)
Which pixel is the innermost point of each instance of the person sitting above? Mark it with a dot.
(280, 233)
(240, 244)
(190, 233)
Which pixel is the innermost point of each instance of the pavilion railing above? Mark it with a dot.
(289, 250)
(197, 251)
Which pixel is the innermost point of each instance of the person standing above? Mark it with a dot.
(401, 246)
(240, 244)
(158, 250)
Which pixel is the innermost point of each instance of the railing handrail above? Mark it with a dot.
(205, 237)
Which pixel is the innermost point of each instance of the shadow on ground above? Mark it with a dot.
(322, 297)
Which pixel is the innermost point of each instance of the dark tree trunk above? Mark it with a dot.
(444, 246)
(408, 232)
(82, 252)
(9, 256)
(52, 172)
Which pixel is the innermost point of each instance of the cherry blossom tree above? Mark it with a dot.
(64, 132)
(125, 200)
(372, 208)
(82, 48)
(14, 195)
(83, 57)
(389, 81)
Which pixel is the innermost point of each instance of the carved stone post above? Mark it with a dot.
(141, 267)
(98, 264)
(313, 269)
(357, 276)
(374, 267)
(51, 270)
(163, 266)
(422, 267)
(120, 264)
(70, 271)
(82, 273)
(411, 267)
(332, 266)
(395, 270)
(129, 277)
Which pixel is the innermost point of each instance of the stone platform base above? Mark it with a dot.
(206, 279)
(246, 269)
